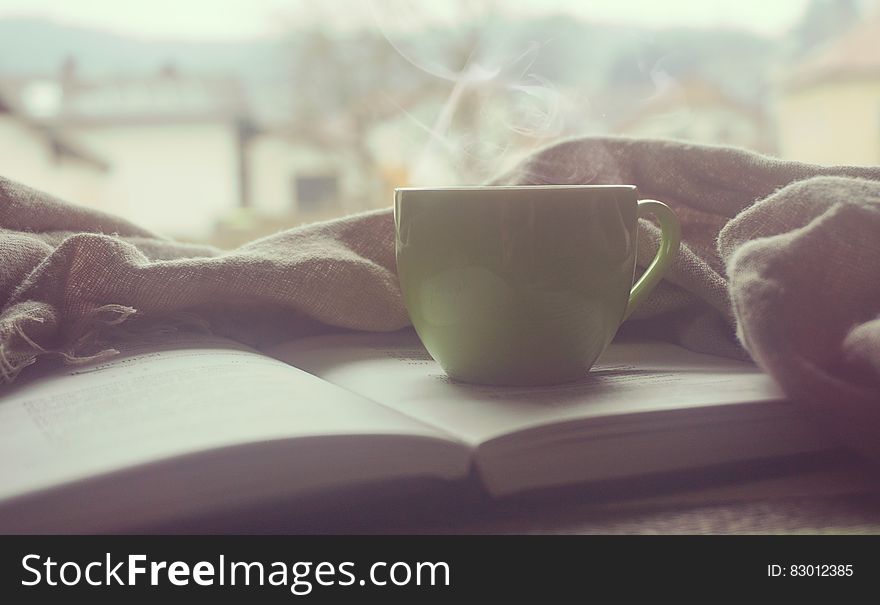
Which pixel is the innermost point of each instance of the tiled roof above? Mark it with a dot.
(158, 98)
(856, 53)
(689, 93)
(61, 145)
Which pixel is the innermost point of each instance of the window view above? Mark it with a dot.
(223, 121)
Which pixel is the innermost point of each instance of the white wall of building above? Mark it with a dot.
(26, 156)
(175, 178)
(181, 178)
(831, 122)
(274, 162)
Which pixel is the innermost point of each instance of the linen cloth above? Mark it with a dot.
(780, 262)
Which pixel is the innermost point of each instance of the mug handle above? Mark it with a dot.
(670, 240)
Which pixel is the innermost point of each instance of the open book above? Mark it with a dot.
(171, 429)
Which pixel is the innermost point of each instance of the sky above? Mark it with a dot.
(237, 19)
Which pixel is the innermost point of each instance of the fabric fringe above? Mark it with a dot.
(102, 326)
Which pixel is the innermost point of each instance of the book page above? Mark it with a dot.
(630, 379)
(163, 399)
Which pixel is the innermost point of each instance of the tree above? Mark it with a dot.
(343, 86)
(347, 83)
(823, 20)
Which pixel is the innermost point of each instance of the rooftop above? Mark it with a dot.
(167, 96)
(689, 93)
(60, 145)
(855, 54)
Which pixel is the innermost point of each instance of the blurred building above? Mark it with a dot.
(180, 154)
(173, 143)
(829, 105)
(40, 156)
(290, 181)
(696, 110)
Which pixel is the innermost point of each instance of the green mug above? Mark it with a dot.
(523, 285)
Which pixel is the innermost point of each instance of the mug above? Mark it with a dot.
(523, 285)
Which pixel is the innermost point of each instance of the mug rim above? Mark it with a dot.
(511, 187)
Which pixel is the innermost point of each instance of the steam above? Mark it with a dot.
(496, 106)
(492, 103)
